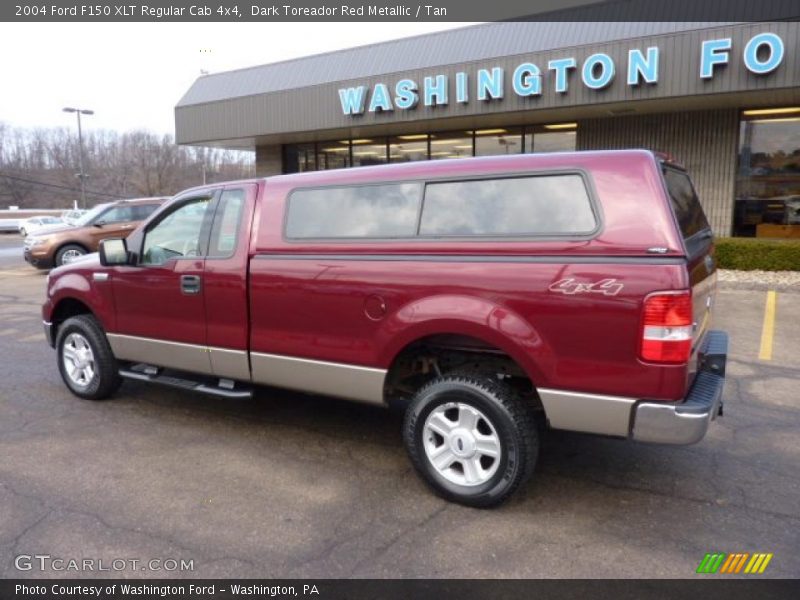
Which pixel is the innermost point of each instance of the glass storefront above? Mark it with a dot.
(429, 146)
(368, 152)
(452, 144)
(406, 148)
(334, 155)
(300, 157)
(559, 137)
(767, 192)
(768, 174)
(553, 141)
(491, 142)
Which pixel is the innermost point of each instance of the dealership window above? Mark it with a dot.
(408, 148)
(451, 144)
(558, 137)
(300, 158)
(490, 142)
(768, 175)
(367, 152)
(333, 155)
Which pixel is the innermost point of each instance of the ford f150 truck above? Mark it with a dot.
(489, 298)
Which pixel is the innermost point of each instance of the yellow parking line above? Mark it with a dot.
(768, 328)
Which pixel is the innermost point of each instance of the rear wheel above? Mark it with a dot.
(85, 360)
(69, 253)
(471, 438)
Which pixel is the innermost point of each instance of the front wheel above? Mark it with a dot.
(69, 253)
(85, 360)
(471, 439)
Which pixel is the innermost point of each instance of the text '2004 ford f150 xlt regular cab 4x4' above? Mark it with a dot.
(489, 297)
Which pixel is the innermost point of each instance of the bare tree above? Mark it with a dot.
(38, 167)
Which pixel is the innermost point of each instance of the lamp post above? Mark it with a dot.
(82, 176)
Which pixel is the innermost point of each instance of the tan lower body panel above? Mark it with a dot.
(333, 379)
(589, 413)
(232, 364)
(161, 353)
(219, 362)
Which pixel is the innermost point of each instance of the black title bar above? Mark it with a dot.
(393, 589)
(397, 10)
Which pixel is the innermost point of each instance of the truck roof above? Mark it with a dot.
(626, 187)
(460, 166)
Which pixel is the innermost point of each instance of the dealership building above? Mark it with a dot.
(723, 99)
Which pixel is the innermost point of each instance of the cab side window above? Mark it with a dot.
(178, 235)
(225, 231)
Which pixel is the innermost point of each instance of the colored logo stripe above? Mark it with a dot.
(733, 563)
(711, 562)
(758, 563)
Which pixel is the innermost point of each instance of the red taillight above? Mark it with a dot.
(667, 328)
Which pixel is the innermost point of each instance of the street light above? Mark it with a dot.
(82, 176)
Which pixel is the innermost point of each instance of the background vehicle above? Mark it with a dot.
(486, 297)
(56, 247)
(72, 217)
(36, 224)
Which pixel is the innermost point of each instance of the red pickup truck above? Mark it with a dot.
(489, 297)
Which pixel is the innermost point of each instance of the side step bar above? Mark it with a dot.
(224, 389)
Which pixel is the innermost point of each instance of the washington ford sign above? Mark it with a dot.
(762, 54)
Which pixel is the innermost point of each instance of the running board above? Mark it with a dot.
(152, 375)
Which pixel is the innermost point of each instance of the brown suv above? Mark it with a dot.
(55, 247)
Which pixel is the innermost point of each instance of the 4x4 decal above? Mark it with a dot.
(607, 287)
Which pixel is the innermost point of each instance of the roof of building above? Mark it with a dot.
(477, 42)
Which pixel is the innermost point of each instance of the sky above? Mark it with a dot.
(133, 74)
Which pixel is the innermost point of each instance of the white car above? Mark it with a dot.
(38, 224)
(71, 217)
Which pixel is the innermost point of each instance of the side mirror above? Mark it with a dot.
(99, 224)
(113, 252)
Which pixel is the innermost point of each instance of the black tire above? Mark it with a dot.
(69, 248)
(510, 420)
(105, 380)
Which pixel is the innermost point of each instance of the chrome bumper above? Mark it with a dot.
(687, 422)
(48, 333)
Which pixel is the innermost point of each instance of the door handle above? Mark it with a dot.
(190, 284)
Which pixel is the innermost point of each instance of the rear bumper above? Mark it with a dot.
(687, 422)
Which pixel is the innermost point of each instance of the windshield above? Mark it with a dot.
(86, 219)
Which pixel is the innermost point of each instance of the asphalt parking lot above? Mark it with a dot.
(289, 485)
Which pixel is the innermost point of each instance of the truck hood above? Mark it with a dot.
(87, 261)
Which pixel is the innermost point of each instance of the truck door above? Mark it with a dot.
(160, 302)
(225, 281)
